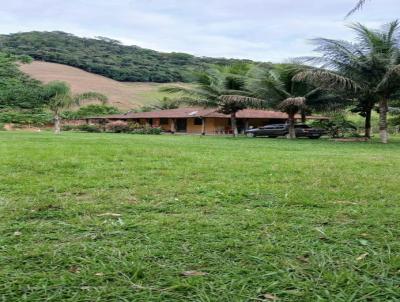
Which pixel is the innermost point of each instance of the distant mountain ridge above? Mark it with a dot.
(108, 57)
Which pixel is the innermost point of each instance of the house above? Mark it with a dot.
(199, 120)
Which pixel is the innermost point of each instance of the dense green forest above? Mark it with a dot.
(16, 88)
(107, 57)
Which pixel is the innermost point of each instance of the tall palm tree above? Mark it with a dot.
(278, 87)
(368, 70)
(60, 98)
(223, 88)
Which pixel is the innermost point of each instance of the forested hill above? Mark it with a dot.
(106, 57)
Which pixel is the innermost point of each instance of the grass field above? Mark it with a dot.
(103, 217)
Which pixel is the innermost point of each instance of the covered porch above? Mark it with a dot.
(199, 120)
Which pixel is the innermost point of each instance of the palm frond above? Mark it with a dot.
(392, 30)
(55, 88)
(292, 105)
(358, 6)
(269, 84)
(326, 79)
(392, 73)
(313, 92)
(176, 89)
(298, 101)
(90, 96)
(337, 54)
(198, 102)
(195, 92)
(245, 100)
(368, 38)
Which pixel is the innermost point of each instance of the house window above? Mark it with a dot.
(198, 121)
(164, 121)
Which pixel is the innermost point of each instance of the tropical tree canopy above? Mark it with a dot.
(292, 105)
(108, 57)
(224, 88)
(368, 70)
(277, 84)
(17, 90)
(60, 98)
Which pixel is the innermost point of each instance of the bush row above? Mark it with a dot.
(21, 117)
(134, 128)
(115, 127)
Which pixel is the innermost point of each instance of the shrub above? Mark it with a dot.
(90, 110)
(25, 117)
(147, 130)
(394, 120)
(68, 128)
(133, 128)
(2, 127)
(118, 127)
(337, 127)
(88, 128)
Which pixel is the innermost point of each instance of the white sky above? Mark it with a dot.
(265, 30)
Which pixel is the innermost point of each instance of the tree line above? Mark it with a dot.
(363, 76)
(107, 57)
(24, 100)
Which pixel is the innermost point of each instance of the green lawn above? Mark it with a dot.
(298, 220)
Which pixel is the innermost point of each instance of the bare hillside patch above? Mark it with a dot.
(123, 95)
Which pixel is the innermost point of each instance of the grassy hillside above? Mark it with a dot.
(107, 217)
(123, 95)
(107, 57)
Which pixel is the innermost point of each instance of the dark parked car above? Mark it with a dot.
(283, 130)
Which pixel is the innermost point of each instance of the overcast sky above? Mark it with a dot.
(265, 30)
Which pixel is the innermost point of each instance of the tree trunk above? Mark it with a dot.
(234, 125)
(383, 110)
(292, 131)
(368, 127)
(203, 126)
(57, 124)
(246, 125)
(303, 117)
(173, 126)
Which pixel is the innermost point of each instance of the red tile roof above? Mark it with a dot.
(188, 112)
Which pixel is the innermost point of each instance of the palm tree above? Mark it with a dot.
(232, 104)
(368, 70)
(292, 106)
(223, 88)
(278, 87)
(60, 98)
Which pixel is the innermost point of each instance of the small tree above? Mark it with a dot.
(60, 98)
